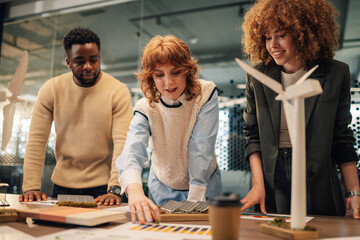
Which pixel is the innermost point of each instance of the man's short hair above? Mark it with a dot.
(80, 35)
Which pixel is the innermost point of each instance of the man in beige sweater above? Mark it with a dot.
(91, 111)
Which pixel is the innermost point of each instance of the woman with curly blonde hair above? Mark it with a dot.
(179, 115)
(285, 38)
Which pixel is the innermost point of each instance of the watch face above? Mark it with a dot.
(115, 190)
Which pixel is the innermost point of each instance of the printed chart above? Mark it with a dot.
(130, 231)
(172, 228)
(166, 231)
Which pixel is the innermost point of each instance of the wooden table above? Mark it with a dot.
(328, 227)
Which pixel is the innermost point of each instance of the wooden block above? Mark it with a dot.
(10, 215)
(168, 217)
(73, 215)
(287, 233)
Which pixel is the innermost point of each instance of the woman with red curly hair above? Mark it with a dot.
(180, 116)
(286, 38)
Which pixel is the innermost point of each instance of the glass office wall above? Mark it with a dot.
(210, 28)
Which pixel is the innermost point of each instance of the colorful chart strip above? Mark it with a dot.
(202, 231)
(153, 227)
(185, 230)
(177, 229)
(172, 229)
(159, 229)
(194, 230)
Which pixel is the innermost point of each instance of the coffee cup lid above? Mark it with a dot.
(229, 200)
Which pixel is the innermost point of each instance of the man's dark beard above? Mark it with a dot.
(85, 83)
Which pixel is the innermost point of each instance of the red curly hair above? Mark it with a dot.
(168, 50)
(310, 22)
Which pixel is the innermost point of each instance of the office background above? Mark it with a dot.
(210, 27)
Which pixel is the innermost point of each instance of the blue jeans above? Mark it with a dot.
(94, 191)
(282, 182)
(160, 193)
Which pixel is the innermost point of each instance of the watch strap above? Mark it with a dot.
(352, 193)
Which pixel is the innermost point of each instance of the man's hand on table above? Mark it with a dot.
(108, 199)
(32, 195)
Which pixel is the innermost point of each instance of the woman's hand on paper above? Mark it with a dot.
(255, 196)
(140, 205)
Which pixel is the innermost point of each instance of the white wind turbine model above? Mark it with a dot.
(295, 118)
(9, 109)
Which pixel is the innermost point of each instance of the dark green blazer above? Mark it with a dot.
(329, 140)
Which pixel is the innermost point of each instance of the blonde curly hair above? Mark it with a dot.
(168, 50)
(310, 22)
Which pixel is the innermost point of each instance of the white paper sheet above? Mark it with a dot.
(269, 217)
(48, 202)
(118, 209)
(130, 231)
(164, 231)
(9, 233)
(41, 204)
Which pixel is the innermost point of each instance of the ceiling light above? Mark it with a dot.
(193, 40)
(241, 86)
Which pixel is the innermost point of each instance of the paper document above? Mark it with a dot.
(269, 217)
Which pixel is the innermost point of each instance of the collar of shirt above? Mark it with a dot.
(288, 79)
(176, 102)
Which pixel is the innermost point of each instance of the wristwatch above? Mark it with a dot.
(115, 190)
(352, 193)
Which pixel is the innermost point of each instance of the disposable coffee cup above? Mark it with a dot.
(224, 214)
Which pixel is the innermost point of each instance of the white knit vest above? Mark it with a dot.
(171, 129)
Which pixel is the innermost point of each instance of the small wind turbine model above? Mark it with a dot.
(295, 118)
(9, 109)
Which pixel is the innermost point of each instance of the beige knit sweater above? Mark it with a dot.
(91, 126)
(170, 134)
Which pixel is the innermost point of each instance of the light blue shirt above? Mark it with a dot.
(201, 148)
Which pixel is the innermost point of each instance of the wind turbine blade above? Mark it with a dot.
(306, 75)
(8, 118)
(18, 77)
(308, 88)
(264, 79)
